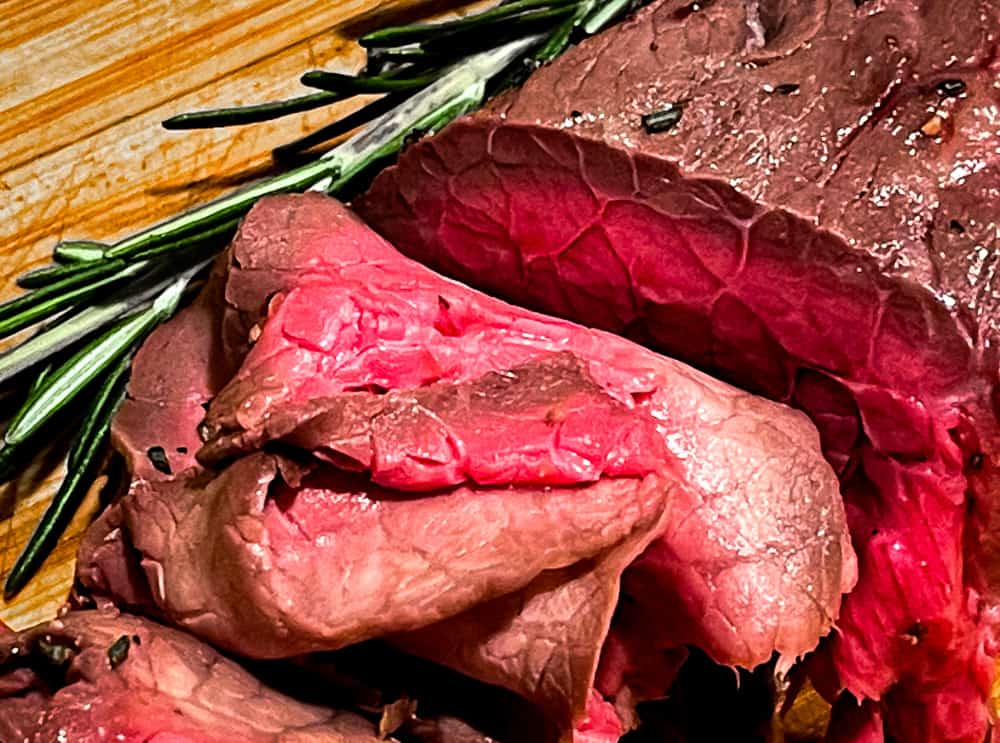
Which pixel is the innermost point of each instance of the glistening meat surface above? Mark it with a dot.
(98, 675)
(378, 369)
(821, 227)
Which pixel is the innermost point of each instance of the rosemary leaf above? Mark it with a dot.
(420, 32)
(604, 14)
(558, 40)
(349, 85)
(471, 39)
(459, 89)
(11, 457)
(664, 119)
(51, 274)
(341, 126)
(66, 332)
(213, 238)
(28, 309)
(78, 251)
(63, 385)
(221, 210)
(81, 468)
(380, 59)
(239, 115)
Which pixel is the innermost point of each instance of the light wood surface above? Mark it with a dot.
(84, 85)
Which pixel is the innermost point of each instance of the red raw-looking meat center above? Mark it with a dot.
(815, 247)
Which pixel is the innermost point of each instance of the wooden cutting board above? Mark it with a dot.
(84, 85)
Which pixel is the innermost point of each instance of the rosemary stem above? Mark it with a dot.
(68, 331)
(459, 89)
(43, 303)
(62, 385)
(239, 115)
(341, 126)
(230, 206)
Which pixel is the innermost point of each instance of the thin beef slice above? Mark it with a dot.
(270, 557)
(820, 226)
(98, 675)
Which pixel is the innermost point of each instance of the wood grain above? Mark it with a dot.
(84, 85)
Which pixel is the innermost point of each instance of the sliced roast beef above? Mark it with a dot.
(99, 675)
(398, 455)
(820, 226)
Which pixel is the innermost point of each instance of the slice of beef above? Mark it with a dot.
(282, 551)
(392, 323)
(544, 422)
(98, 675)
(819, 226)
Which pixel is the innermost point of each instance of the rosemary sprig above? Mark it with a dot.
(50, 300)
(63, 385)
(516, 26)
(349, 85)
(429, 73)
(69, 330)
(342, 126)
(239, 115)
(81, 468)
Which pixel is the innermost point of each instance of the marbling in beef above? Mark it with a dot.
(820, 226)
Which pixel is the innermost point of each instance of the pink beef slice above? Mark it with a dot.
(567, 452)
(58, 683)
(820, 226)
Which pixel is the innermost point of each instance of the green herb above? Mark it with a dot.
(78, 251)
(257, 113)
(663, 120)
(28, 309)
(56, 652)
(81, 467)
(605, 13)
(420, 32)
(64, 384)
(469, 38)
(69, 330)
(118, 652)
(347, 85)
(342, 126)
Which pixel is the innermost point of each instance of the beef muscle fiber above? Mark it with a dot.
(821, 227)
(388, 453)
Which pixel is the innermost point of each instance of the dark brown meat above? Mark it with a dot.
(102, 676)
(820, 226)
